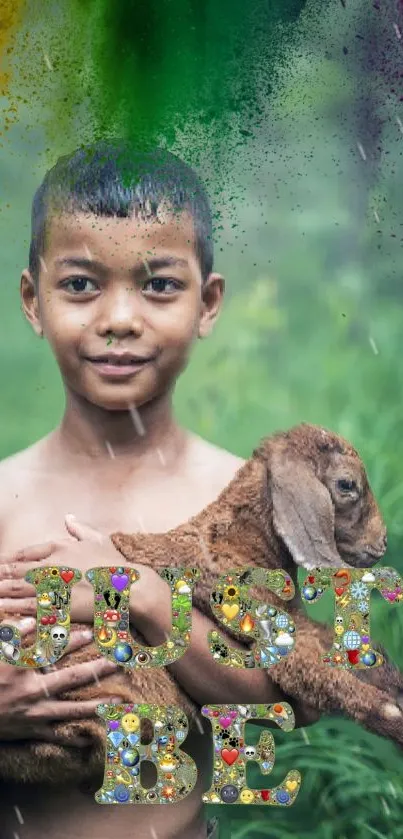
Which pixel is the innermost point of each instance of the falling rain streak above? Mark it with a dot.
(18, 814)
(373, 346)
(161, 457)
(47, 61)
(361, 150)
(137, 422)
(43, 684)
(110, 449)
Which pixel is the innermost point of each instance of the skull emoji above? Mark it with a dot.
(58, 635)
(250, 752)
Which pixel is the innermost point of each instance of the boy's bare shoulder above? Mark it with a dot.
(215, 459)
(21, 466)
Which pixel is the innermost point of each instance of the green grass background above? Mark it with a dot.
(311, 331)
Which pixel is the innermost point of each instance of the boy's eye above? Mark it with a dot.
(161, 285)
(79, 285)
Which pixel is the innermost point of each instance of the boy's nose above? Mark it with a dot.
(121, 315)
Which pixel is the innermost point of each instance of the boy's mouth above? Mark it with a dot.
(119, 364)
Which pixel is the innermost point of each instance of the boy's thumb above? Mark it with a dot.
(82, 531)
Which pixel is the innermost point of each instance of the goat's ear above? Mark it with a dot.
(303, 513)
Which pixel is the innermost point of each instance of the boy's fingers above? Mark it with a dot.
(33, 552)
(79, 639)
(70, 677)
(64, 710)
(18, 606)
(16, 572)
(25, 625)
(12, 572)
(82, 531)
(16, 588)
(45, 732)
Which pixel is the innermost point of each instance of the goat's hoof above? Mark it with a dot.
(391, 711)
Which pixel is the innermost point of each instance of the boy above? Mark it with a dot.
(121, 284)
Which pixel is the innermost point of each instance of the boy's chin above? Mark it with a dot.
(118, 401)
(117, 405)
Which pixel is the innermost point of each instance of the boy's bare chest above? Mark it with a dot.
(37, 510)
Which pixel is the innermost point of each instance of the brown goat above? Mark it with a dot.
(303, 499)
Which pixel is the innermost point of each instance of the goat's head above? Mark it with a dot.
(323, 506)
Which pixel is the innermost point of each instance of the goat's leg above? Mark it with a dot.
(374, 699)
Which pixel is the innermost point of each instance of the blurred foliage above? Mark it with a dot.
(311, 330)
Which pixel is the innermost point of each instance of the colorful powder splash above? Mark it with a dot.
(152, 71)
(197, 76)
(10, 19)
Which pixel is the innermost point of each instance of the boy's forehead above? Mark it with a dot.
(113, 235)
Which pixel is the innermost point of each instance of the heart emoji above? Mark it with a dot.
(229, 756)
(119, 581)
(67, 576)
(339, 591)
(230, 610)
(391, 595)
(225, 722)
(265, 793)
(291, 786)
(113, 724)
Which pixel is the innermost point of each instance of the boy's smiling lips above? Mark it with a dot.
(119, 364)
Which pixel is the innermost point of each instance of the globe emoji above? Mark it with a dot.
(282, 621)
(351, 640)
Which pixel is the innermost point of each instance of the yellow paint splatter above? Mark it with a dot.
(11, 14)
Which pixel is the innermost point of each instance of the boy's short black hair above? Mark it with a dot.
(117, 179)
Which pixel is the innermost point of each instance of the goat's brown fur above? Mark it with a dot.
(279, 511)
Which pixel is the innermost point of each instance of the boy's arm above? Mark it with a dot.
(375, 705)
(206, 681)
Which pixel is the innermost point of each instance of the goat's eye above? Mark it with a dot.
(345, 485)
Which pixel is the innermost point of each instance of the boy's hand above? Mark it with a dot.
(29, 702)
(88, 549)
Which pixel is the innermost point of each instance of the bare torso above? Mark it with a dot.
(36, 492)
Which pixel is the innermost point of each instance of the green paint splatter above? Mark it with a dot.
(166, 63)
(160, 70)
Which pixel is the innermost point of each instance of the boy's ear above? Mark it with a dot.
(30, 302)
(212, 296)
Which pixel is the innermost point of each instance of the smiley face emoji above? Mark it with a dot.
(246, 796)
(130, 723)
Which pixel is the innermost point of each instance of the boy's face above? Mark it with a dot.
(109, 286)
